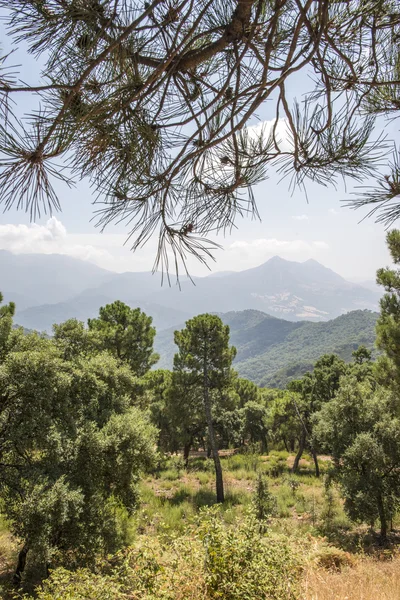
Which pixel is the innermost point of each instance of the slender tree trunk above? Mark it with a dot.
(382, 518)
(315, 458)
(20, 564)
(212, 439)
(186, 450)
(264, 444)
(299, 454)
(285, 444)
(292, 444)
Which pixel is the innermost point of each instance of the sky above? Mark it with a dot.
(291, 226)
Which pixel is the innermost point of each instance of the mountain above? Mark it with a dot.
(51, 288)
(34, 279)
(281, 288)
(272, 351)
(321, 310)
(87, 306)
(370, 285)
(304, 344)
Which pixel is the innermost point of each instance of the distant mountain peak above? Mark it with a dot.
(312, 261)
(276, 259)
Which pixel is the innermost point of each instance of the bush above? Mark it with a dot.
(203, 478)
(79, 585)
(333, 559)
(216, 562)
(276, 466)
(264, 502)
(241, 563)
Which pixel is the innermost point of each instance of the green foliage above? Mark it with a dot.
(263, 501)
(79, 585)
(6, 321)
(255, 423)
(242, 563)
(296, 350)
(127, 333)
(329, 511)
(388, 326)
(272, 352)
(72, 446)
(217, 561)
(362, 431)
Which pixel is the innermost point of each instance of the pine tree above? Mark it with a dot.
(153, 100)
(203, 363)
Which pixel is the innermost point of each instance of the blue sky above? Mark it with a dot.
(322, 229)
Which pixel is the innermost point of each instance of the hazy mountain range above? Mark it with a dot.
(52, 288)
(49, 289)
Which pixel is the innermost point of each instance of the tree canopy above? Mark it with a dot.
(155, 103)
(73, 442)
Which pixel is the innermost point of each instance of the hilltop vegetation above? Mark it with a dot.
(306, 343)
(271, 351)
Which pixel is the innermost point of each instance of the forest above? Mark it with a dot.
(121, 480)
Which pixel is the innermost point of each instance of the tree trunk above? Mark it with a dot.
(299, 453)
(382, 519)
(285, 444)
(186, 450)
(212, 439)
(264, 444)
(315, 458)
(20, 565)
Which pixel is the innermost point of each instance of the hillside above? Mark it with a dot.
(272, 351)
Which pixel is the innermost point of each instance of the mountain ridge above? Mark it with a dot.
(50, 288)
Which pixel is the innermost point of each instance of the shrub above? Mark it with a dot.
(203, 478)
(242, 563)
(276, 466)
(214, 562)
(79, 585)
(264, 502)
(333, 559)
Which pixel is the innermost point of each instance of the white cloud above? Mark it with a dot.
(300, 217)
(274, 245)
(282, 132)
(50, 238)
(108, 250)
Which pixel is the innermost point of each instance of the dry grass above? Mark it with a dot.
(369, 579)
(8, 552)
